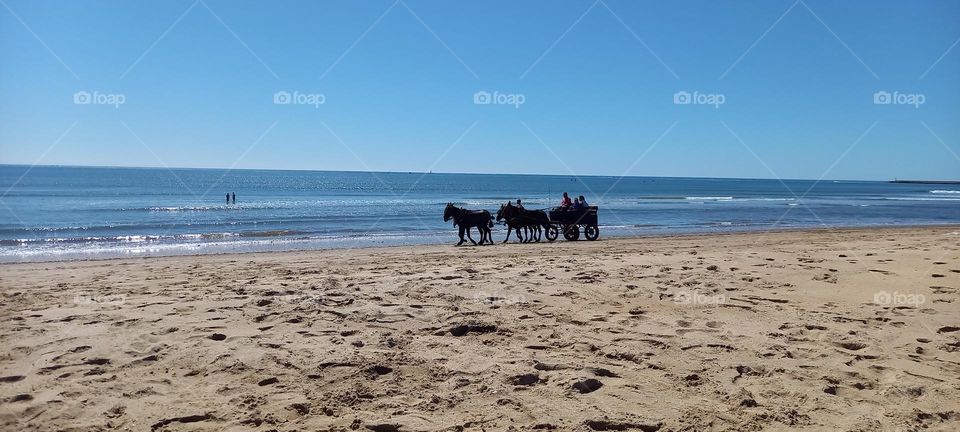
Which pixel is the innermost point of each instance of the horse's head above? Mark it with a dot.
(449, 212)
(509, 211)
(501, 211)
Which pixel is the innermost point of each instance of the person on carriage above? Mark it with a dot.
(565, 202)
(583, 202)
(577, 204)
(519, 205)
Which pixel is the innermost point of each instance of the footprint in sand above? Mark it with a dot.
(852, 346)
(588, 385)
(21, 398)
(942, 289)
(527, 379)
(826, 277)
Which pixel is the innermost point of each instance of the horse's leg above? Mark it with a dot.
(461, 237)
(489, 233)
(509, 230)
(519, 236)
(471, 237)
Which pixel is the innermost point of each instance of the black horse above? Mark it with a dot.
(532, 221)
(466, 219)
(508, 214)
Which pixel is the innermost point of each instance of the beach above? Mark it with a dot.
(852, 330)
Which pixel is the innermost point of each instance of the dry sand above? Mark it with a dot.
(852, 330)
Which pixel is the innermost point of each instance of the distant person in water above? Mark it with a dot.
(565, 202)
(233, 197)
(228, 197)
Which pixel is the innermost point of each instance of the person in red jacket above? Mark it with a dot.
(565, 202)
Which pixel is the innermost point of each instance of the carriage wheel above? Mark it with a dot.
(571, 232)
(591, 232)
(552, 232)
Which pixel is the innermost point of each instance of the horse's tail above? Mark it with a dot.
(490, 224)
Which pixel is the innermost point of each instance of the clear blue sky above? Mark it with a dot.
(398, 79)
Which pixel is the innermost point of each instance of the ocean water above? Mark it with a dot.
(59, 213)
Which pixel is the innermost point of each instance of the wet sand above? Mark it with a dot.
(854, 330)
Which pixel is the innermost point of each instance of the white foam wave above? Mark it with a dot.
(709, 198)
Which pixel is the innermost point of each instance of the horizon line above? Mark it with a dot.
(448, 173)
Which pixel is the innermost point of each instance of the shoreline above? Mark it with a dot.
(497, 242)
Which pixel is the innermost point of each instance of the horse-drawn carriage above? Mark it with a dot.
(569, 221)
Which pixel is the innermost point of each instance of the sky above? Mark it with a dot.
(750, 89)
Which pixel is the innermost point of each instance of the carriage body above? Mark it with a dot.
(569, 221)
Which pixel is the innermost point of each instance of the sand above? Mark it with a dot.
(853, 330)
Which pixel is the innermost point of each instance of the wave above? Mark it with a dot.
(205, 208)
(713, 198)
(709, 198)
(681, 198)
(151, 238)
(943, 191)
(920, 199)
(768, 199)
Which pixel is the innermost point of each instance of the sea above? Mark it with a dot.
(54, 213)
